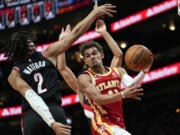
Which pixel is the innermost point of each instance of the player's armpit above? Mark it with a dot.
(80, 95)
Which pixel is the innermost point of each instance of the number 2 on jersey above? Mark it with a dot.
(38, 78)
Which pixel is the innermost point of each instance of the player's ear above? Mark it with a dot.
(85, 61)
(102, 55)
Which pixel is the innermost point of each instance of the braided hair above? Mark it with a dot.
(16, 49)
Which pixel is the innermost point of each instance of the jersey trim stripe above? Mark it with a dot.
(96, 107)
(98, 124)
(97, 120)
(44, 54)
(106, 74)
(93, 79)
(16, 68)
(86, 107)
(115, 69)
(22, 128)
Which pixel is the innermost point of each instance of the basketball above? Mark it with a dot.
(138, 57)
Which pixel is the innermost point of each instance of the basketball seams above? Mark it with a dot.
(137, 57)
(140, 61)
(134, 54)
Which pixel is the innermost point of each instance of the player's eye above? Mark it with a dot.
(87, 56)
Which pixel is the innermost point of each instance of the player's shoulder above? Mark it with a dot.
(121, 70)
(84, 77)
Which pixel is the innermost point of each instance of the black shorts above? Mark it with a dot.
(89, 124)
(33, 124)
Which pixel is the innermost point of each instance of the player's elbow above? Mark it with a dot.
(9, 79)
(98, 99)
(61, 68)
(119, 55)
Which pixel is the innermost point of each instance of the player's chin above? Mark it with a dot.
(95, 66)
(31, 51)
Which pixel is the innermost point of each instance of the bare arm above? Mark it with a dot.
(60, 46)
(18, 83)
(117, 59)
(66, 73)
(69, 76)
(81, 96)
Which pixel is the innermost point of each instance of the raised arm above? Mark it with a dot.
(60, 46)
(64, 70)
(84, 82)
(68, 76)
(36, 102)
(101, 29)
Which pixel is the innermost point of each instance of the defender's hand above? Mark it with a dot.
(61, 129)
(65, 33)
(100, 27)
(106, 9)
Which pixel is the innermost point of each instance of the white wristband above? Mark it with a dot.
(122, 93)
(38, 105)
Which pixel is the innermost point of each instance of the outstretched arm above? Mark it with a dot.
(128, 81)
(60, 46)
(36, 102)
(101, 29)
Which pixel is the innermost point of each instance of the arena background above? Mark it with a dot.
(159, 111)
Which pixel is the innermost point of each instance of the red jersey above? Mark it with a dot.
(109, 83)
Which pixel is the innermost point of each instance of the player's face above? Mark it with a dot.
(31, 46)
(92, 57)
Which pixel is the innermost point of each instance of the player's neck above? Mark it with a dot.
(100, 70)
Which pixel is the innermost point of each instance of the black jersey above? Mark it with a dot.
(41, 75)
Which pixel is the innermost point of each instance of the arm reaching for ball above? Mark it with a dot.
(128, 80)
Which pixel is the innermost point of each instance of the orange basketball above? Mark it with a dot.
(138, 57)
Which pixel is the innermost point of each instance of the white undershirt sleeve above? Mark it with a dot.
(128, 80)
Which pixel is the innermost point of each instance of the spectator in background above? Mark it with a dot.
(48, 11)
(36, 14)
(24, 19)
(11, 21)
(34, 77)
(1, 23)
